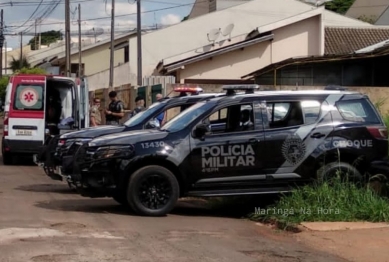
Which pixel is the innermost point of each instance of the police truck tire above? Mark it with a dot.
(329, 171)
(153, 185)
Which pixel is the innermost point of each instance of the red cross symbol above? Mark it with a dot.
(28, 97)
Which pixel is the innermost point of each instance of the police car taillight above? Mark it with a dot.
(378, 132)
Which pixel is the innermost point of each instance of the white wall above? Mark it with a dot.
(101, 80)
(192, 34)
(299, 39)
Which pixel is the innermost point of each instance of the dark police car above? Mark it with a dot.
(58, 161)
(240, 144)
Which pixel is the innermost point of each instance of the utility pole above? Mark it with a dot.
(79, 42)
(35, 47)
(67, 37)
(139, 38)
(111, 62)
(5, 58)
(1, 43)
(21, 51)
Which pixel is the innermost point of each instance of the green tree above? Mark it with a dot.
(47, 38)
(15, 64)
(3, 86)
(339, 6)
(31, 71)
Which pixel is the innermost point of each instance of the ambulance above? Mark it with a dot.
(38, 107)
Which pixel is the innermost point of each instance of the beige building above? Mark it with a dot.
(300, 35)
(95, 57)
(222, 31)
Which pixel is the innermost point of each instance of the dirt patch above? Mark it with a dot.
(53, 258)
(12, 234)
(271, 256)
(357, 245)
(67, 225)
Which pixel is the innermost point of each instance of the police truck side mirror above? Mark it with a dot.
(200, 131)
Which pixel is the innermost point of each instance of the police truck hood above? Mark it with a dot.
(130, 137)
(92, 132)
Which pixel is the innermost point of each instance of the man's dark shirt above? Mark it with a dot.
(115, 107)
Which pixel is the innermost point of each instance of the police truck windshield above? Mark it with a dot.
(185, 118)
(141, 116)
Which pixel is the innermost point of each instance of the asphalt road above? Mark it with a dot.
(43, 220)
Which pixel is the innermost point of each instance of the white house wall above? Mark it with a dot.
(299, 39)
(101, 80)
(192, 34)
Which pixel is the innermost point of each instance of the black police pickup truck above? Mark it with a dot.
(265, 142)
(58, 163)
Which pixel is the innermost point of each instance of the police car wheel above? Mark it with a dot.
(153, 191)
(344, 171)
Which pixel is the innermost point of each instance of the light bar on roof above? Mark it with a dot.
(240, 87)
(188, 89)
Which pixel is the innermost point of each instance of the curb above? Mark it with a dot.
(341, 226)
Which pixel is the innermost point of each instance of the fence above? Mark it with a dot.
(378, 95)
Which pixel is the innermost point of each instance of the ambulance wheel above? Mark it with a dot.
(152, 191)
(7, 159)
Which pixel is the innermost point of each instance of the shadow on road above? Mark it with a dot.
(47, 188)
(86, 205)
(20, 161)
(236, 208)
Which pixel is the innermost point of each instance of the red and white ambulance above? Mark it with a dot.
(37, 106)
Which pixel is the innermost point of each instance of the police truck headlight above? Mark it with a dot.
(113, 152)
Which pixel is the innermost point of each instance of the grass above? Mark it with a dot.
(326, 202)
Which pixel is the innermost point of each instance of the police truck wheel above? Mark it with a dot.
(344, 171)
(153, 191)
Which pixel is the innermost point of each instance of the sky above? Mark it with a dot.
(21, 16)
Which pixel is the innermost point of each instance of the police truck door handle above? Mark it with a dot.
(317, 135)
(253, 140)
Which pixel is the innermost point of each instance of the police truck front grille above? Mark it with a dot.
(73, 149)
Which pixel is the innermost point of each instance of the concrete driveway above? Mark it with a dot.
(43, 220)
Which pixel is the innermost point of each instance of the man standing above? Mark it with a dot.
(115, 110)
(95, 115)
(139, 106)
(161, 116)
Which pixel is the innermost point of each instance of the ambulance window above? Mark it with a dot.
(28, 97)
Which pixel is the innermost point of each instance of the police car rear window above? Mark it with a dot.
(359, 110)
(28, 97)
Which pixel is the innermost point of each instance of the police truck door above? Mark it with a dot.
(232, 151)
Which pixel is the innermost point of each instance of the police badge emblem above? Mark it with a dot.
(293, 149)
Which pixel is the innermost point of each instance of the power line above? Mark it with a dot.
(33, 3)
(33, 13)
(131, 14)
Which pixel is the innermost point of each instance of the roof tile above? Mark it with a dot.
(339, 40)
